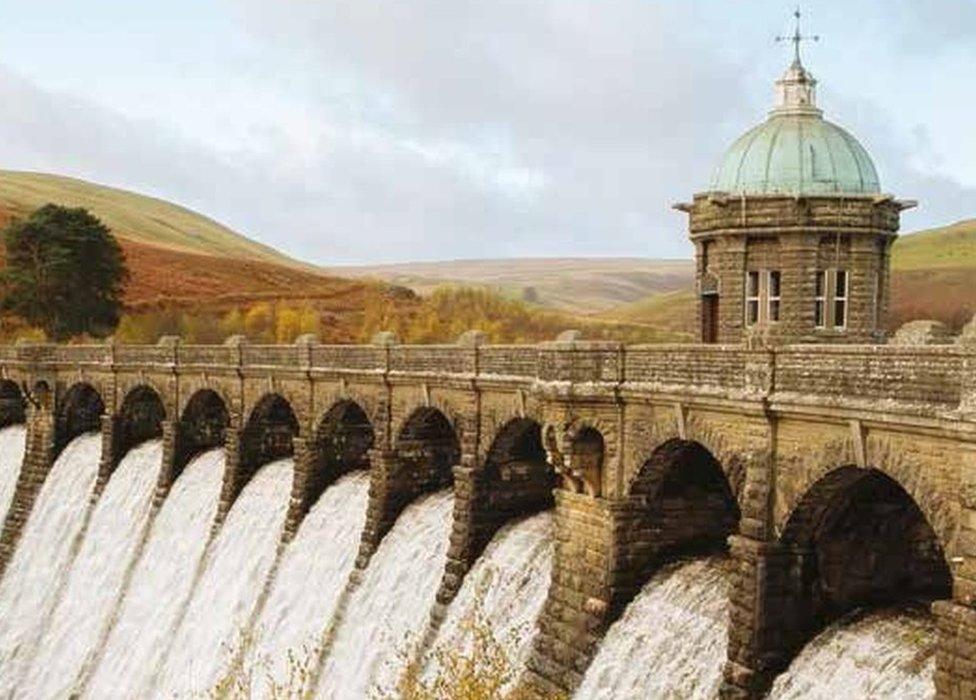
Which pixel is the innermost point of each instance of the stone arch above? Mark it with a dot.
(681, 502)
(202, 426)
(517, 476)
(855, 538)
(428, 447)
(882, 456)
(731, 459)
(862, 540)
(79, 411)
(191, 389)
(128, 383)
(13, 405)
(684, 478)
(341, 442)
(267, 435)
(139, 418)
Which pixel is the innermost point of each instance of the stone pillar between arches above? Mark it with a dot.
(591, 583)
(955, 660)
(39, 455)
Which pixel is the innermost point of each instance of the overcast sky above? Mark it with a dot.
(390, 130)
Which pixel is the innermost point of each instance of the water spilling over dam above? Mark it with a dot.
(126, 607)
(254, 521)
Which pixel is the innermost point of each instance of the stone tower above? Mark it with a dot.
(793, 237)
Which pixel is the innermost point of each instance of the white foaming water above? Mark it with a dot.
(236, 572)
(392, 602)
(311, 577)
(13, 440)
(117, 527)
(670, 641)
(41, 561)
(881, 655)
(161, 582)
(505, 590)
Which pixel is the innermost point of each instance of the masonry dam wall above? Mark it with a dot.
(640, 521)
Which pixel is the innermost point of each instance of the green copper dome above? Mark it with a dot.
(796, 151)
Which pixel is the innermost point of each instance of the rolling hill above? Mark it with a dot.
(574, 285)
(193, 276)
(134, 217)
(184, 260)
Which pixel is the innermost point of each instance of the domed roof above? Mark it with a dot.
(796, 151)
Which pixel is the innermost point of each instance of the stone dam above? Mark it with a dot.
(632, 521)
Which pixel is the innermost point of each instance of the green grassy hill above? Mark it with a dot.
(133, 216)
(939, 248)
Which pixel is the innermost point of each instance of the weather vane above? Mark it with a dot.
(797, 36)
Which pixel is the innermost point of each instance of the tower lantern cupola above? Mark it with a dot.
(793, 236)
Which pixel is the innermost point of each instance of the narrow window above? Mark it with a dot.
(820, 300)
(752, 298)
(773, 294)
(840, 299)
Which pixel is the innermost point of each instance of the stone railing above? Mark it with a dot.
(937, 378)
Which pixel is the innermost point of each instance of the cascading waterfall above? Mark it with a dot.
(30, 586)
(13, 440)
(236, 572)
(504, 592)
(161, 582)
(117, 527)
(93, 614)
(312, 575)
(884, 654)
(392, 602)
(670, 641)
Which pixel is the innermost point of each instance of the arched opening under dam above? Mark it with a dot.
(688, 496)
(518, 477)
(13, 406)
(859, 540)
(343, 438)
(79, 411)
(428, 448)
(140, 418)
(681, 504)
(202, 427)
(267, 435)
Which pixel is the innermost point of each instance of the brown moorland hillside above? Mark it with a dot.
(206, 297)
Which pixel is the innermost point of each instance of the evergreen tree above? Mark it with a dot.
(65, 272)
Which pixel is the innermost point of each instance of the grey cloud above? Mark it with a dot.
(451, 129)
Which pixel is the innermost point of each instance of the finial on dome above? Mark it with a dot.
(797, 38)
(797, 89)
